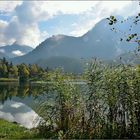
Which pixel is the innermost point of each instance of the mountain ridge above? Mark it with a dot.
(100, 42)
(14, 50)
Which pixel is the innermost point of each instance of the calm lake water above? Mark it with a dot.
(20, 102)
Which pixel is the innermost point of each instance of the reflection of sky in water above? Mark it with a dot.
(18, 103)
(19, 112)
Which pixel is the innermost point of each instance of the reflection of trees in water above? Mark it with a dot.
(9, 90)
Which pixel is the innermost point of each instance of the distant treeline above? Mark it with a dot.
(22, 71)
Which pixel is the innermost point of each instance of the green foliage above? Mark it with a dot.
(132, 37)
(63, 114)
(14, 131)
(109, 107)
(112, 20)
(33, 70)
(13, 71)
(8, 80)
(113, 103)
(3, 70)
(22, 71)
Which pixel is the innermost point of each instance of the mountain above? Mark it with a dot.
(14, 50)
(100, 42)
(68, 64)
(129, 58)
(3, 55)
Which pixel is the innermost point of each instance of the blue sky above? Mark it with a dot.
(31, 22)
(64, 22)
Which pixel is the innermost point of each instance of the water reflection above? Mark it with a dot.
(9, 91)
(18, 112)
(18, 101)
(24, 103)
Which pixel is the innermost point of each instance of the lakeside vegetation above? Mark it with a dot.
(32, 72)
(108, 106)
(23, 72)
(8, 80)
(9, 130)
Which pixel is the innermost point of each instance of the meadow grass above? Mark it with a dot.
(9, 130)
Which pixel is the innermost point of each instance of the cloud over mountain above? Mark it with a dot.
(24, 18)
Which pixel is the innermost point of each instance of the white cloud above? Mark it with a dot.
(8, 6)
(102, 10)
(67, 7)
(83, 26)
(24, 34)
(2, 50)
(17, 53)
(23, 26)
(18, 112)
(98, 40)
(10, 32)
(3, 38)
(58, 37)
(31, 12)
(3, 25)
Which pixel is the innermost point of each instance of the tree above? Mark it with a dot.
(33, 70)
(1, 70)
(4, 61)
(13, 72)
(4, 71)
(129, 37)
(23, 72)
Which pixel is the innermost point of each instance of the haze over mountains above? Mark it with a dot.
(14, 50)
(100, 42)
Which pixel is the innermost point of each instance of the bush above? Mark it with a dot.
(109, 107)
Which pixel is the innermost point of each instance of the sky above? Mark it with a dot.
(31, 22)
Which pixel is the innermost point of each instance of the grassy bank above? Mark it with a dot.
(14, 131)
(8, 80)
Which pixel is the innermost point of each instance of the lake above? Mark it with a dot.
(21, 103)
